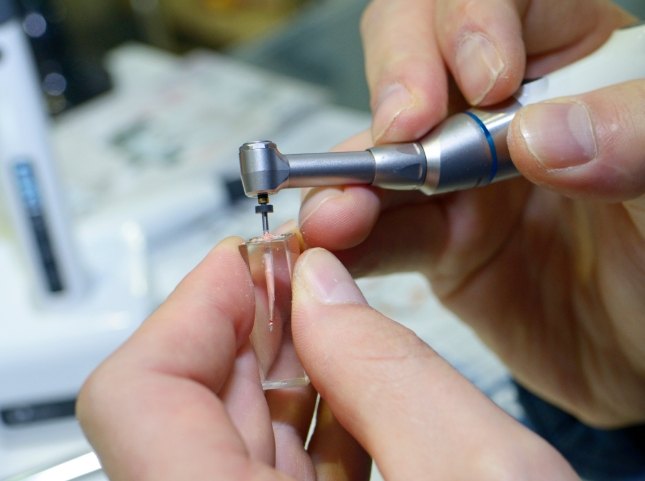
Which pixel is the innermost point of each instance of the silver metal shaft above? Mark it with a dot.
(332, 168)
(265, 222)
(465, 151)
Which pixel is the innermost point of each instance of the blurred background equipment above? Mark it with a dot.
(221, 23)
(314, 40)
(68, 296)
(29, 178)
(69, 63)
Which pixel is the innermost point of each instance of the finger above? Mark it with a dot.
(485, 44)
(404, 65)
(589, 146)
(150, 410)
(335, 453)
(245, 403)
(361, 141)
(445, 237)
(338, 217)
(407, 238)
(404, 69)
(397, 397)
(481, 43)
(203, 302)
(291, 413)
(342, 217)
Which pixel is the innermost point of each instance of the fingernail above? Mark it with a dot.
(392, 100)
(315, 200)
(326, 279)
(559, 135)
(479, 64)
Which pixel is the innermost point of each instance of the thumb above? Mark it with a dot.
(415, 415)
(589, 146)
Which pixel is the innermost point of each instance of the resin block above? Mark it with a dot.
(271, 259)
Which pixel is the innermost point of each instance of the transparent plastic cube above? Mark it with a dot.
(271, 259)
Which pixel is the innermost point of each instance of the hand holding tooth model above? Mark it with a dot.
(546, 267)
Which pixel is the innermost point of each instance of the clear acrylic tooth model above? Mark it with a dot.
(270, 259)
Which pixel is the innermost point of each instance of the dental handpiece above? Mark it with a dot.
(465, 151)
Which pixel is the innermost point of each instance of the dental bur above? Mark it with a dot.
(264, 209)
(465, 151)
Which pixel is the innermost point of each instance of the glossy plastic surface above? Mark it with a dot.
(270, 259)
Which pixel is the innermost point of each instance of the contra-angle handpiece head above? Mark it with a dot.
(465, 151)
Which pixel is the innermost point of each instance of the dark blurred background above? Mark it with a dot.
(314, 40)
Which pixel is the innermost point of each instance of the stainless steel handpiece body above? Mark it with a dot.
(466, 150)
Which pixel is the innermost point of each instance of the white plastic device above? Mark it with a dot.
(78, 291)
(29, 179)
(620, 59)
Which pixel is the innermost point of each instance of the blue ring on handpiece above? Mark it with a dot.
(491, 145)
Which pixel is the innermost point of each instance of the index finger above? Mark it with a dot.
(404, 68)
(486, 44)
(151, 410)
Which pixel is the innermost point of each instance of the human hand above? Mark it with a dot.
(182, 398)
(549, 273)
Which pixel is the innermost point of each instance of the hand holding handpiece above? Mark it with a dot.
(464, 151)
(548, 272)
